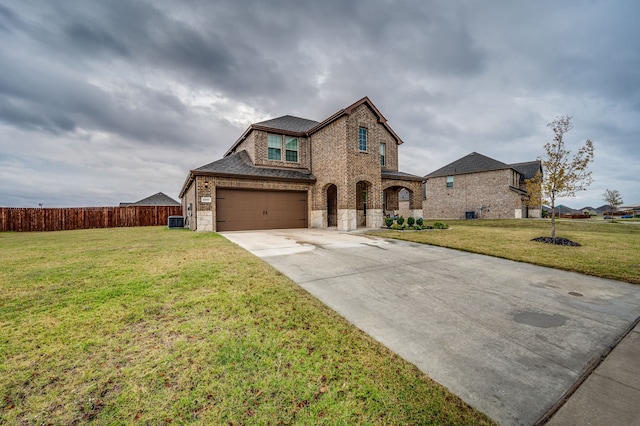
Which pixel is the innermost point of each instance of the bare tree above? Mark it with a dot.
(613, 198)
(564, 176)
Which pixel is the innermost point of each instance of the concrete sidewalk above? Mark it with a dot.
(509, 338)
(611, 394)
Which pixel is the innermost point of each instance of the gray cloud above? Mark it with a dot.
(108, 96)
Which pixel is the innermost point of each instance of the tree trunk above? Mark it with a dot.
(553, 220)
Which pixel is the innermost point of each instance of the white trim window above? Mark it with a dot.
(362, 138)
(383, 159)
(291, 149)
(449, 181)
(275, 147)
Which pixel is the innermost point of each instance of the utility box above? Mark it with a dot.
(470, 215)
(175, 222)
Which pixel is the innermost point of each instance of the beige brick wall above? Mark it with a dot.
(262, 152)
(486, 193)
(248, 145)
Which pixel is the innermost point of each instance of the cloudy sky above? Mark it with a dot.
(103, 102)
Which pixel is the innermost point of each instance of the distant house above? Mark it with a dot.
(159, 199)
(476, 186)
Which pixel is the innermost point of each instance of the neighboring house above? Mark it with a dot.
(159, 199)
(476, 186)
(291, 172)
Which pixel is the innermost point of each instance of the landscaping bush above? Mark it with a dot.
(397, 227)
(388, 221)
(419, 221)
(440, 225)
(400, 220)
(410, 221)
(417, 227)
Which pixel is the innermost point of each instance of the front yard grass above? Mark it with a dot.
(158, 326)
(608, 250)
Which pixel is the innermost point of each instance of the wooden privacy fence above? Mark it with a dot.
(63, 219)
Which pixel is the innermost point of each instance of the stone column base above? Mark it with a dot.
(375, 218)
(347, 220)
(205, 221)
(318, 218)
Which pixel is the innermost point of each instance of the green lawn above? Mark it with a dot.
(608, 250)
(157, 326)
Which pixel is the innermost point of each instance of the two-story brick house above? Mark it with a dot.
(476, 186)
(291, 172)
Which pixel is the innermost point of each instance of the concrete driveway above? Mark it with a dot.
(509, 338)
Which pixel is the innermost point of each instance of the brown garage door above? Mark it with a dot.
(239, 210)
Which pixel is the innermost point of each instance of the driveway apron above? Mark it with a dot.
(509, 338)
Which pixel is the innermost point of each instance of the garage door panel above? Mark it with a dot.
(238, 210)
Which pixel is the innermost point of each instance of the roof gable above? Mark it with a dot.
(472, 163)
(528, 169)
(296, 126)
(349, 110)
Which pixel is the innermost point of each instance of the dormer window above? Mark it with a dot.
(291, 149)
(275, 145)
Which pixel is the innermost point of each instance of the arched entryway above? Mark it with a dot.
(332, 205)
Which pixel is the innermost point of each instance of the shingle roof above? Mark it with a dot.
(471, 163)
(528, 170)
(159, 199)
(239, 165)
(400, 175)
(288, 123)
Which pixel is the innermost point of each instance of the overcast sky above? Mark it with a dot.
(110, 101)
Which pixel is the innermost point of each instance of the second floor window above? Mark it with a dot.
(382, 154)
(449, 181)
(362, 139)
(291, 149)
(275, 147)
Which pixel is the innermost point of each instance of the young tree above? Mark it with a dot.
(613, 198)
(564, 176)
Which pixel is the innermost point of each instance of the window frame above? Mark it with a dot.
(287, 150)
(270, 146)
(383, 154)
(449, 181)
(362, 139)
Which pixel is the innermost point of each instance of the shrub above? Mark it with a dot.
(417, 227)
(400, 220)
(440, 225)
(419, 221)
(410, 221)
(397, 227)
(427, 227)
(388, 221)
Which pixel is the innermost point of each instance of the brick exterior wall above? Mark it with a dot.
(333, 156)
(338, 160)
(189, 199)
(487, 193)
(262, 152)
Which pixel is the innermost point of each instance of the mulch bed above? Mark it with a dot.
(557, 241)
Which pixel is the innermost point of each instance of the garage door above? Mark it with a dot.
(239, 210)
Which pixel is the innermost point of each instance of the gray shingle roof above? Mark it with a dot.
(471, 163)
(401, 176)
(288, 123)
(239, 164)
(159, 199)
(528, 169)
